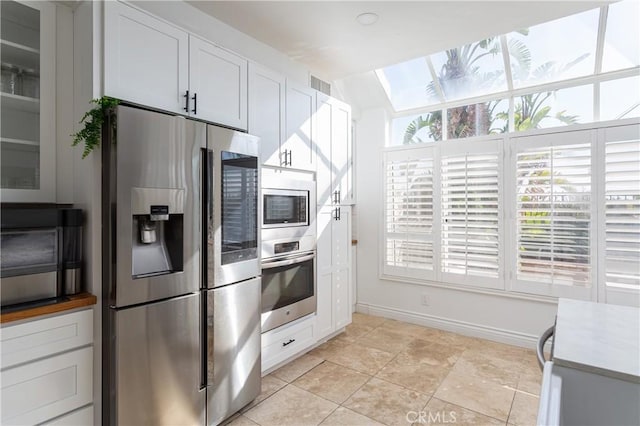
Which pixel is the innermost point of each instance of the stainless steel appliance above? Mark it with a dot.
(233, 265)
(289, 211)
(288, 289)
(288, 247)
(163, 292)
(40, 260)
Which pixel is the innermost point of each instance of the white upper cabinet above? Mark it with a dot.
(341, 149)
(298, 150)
(334, 144)
(146, 60)
(27, 98)
(266, 112)
(218, 84)
(152, 63)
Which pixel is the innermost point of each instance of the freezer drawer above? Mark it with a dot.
(158, 368)
(233, 322)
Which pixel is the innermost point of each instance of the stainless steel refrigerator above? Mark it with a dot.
(181, 267)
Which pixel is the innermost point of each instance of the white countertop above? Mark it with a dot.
(599, 338)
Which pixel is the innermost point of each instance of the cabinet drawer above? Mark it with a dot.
(36, 339)
(83, 416)
(279, 345)
(36, 392)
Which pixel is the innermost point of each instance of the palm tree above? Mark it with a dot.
(461, 69)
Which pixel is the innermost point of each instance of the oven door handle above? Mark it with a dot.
(286, 262)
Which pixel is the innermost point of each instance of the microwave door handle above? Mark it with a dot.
(286, 262)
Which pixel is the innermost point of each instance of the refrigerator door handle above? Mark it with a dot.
(204, 339)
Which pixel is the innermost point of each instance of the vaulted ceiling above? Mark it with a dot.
(325, 36)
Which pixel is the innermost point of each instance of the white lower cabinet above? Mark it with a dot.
(333, 270)
(284, 342)
(47, 370)
(83, 416)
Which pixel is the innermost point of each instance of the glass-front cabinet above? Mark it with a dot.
(27, 90)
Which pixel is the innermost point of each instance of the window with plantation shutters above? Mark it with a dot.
(553, 212)
(622, 211)
(470, 214)
(409, 213)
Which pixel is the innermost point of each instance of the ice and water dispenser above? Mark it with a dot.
(157, 233)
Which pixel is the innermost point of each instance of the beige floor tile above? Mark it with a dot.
(386, 402)
(451, 339)
(270, 385)
(502, 351)
(431, 353)
(361, 358)
(524, 411)
(364, 319)
(328, 348)
(291, 406)
(240, 421)
(412, 330)
(441, 413)
(297, 367)
(352, 332)
(481, 395)
(345, 417)
(421, 367)
(332, 381)
(385, 340)
(530, 381)
(498, 370)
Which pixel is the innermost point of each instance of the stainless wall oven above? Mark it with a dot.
(288, 289)
(288, 247)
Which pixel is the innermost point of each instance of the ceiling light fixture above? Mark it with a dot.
(367, 18)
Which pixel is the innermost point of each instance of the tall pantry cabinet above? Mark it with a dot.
(334, 192)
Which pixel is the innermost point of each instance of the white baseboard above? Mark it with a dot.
(461, 327)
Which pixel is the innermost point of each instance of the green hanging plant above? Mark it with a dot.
(93, 120)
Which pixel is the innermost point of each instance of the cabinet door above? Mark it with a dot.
(145, 59)
(28, 113)
(38, 391)
(266, 112)
(217, 84)
(341, 238)
(324, 309)
(301, 106)
(341, 298)
(322, 140)
(341, 149)
(324, 250)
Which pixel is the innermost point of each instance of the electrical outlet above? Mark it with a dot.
(425, 299)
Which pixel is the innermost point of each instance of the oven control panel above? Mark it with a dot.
(286, 247)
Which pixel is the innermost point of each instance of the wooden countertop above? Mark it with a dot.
(71, 302)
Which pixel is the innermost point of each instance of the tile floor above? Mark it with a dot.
(386, 372)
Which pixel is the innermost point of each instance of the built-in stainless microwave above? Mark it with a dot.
(284, 208)
(288, 212)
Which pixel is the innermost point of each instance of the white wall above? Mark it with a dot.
(508, 318)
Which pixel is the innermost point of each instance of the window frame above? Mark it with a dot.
(598, 291)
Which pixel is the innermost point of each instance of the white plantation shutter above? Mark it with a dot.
(554, 213)
(471, 219)
(622, 211)
(409, 213)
